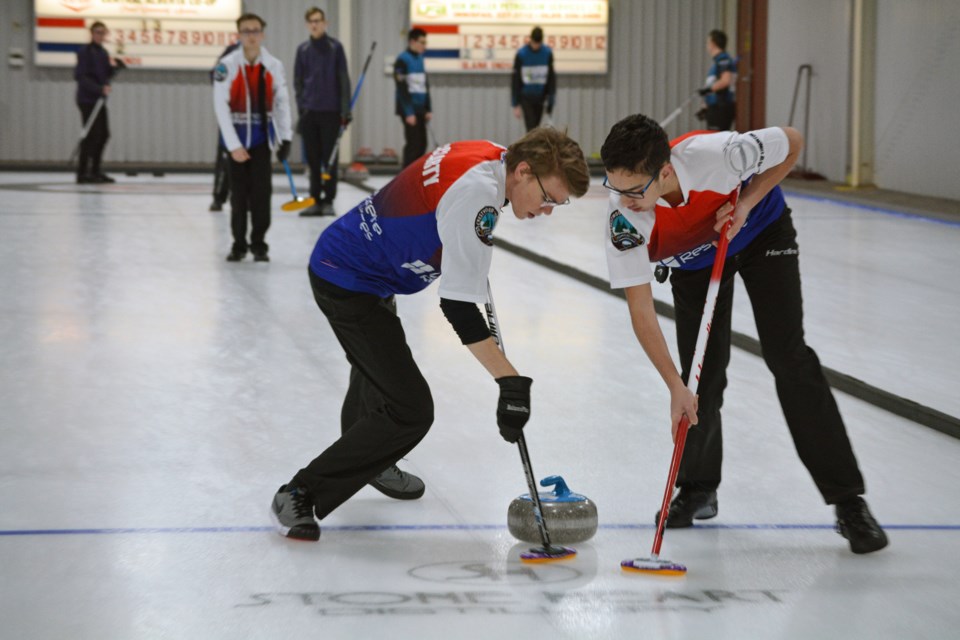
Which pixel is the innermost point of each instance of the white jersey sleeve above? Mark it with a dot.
(281, 100)
(466, 216)
(721, 161)
(626, 236)
(224, 75)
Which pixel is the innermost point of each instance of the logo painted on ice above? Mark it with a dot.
(481, 573)
(484, 224)
(624, 235)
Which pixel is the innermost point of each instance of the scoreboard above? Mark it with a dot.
(483, 36)
(150, 34)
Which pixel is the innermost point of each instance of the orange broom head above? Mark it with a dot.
(298, 203)
(654, 566)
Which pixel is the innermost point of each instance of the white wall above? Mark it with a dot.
(917, 136)
(814, 32)
(918, 95)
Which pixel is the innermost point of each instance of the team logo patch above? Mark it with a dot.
(484, 224)
(623, 235)
(220, 72)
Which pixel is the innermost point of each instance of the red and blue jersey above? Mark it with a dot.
(436, 217)
(250, 101)
(710, 167)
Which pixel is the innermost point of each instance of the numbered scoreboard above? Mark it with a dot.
(483, 36)
(151, 34)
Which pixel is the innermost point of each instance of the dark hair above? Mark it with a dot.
(96, 25)
(313, 10)
(250, 16)
(536, 35)
(637, 144)
(551, 152)
(415, 34)
(718, 38)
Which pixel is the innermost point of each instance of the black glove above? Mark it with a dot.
(513, 408)
(283, 151)
(704, 91)
(346, 118)
(701, 114)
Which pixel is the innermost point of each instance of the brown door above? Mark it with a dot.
(752, 64)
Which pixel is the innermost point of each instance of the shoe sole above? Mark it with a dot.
(870, 548)
(397, 495)
(294, 532)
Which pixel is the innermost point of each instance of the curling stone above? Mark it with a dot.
(570, 517)
(357, 171)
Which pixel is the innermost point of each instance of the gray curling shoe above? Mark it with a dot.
(292, 511)
(397, 484)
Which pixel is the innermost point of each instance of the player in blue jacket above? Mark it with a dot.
(534, 86)
(434, 221)
(413, 95)
(719, 89)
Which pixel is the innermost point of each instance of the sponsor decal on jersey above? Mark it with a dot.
(624, 235)
(484, 224)
(424, 271)
(220, 72)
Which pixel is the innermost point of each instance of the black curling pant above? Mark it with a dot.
(91, 147)
(770, 269)
(250, 191)
(720, 117)
(414, 139)
(388, 408)
(319, 130)
(221, 174)
(532, 109)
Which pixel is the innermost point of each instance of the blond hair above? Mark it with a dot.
(551, 152)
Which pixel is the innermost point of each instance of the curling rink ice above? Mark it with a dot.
(155, 396)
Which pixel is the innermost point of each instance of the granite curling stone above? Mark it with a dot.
(570, 517)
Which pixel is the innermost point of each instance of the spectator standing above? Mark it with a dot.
(322, 86)
(413, 95)
(534, 86)
(719, 90)
(253, 111)
(93, 72)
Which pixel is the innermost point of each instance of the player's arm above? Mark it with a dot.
(513, 405)
(223, 77)
(400, 73)
(765, 177)
(474, 333)
(646, 327)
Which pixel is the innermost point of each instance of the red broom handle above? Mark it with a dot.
(693, 379)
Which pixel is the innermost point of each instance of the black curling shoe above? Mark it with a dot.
(857, 525)
(689, 504)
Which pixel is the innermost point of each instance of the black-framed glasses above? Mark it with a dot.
(547, 200)
(251, 32)
(635, 193)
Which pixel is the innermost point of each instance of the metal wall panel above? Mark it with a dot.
(657, 59)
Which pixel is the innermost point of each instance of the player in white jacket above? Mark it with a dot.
(253, 113)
